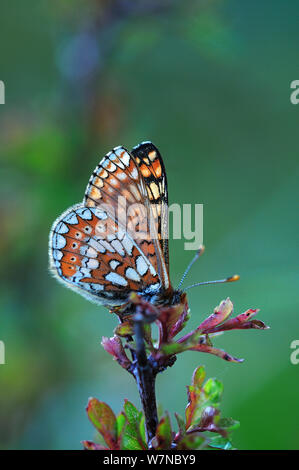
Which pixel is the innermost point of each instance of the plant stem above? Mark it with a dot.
(145, 378)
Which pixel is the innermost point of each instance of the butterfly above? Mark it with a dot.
(105, 253)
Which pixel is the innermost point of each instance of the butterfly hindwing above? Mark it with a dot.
(105, 268)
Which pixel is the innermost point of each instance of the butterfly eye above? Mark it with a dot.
(87, 229)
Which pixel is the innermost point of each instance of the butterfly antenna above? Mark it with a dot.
(199, 252)
(233, 278)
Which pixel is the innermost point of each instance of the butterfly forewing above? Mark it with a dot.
(119, 183)
(151, 165)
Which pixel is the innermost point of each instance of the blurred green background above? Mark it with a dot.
(209, 83)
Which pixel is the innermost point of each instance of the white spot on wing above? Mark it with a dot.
(99, 213)
(61, 228)
(128, 245)
(152, 270)
(92, 263)
(71, 218)
(134, 174)
(113, 181)
(123, 155)
(97, 287)
(91, 252)
(116, 279)
(85, 272)
(58, 241)
(121, 176)
(110, 237)
(109, 165)
(132, 274)
(98, 247)
(141, 265)
(84, 213)
(114, 263)
(118, 247)
(108, 246)
(57, 255)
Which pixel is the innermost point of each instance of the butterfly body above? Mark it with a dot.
(116, 241)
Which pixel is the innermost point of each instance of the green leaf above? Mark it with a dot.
(133, 434)
(120, 423)
(164, 433)
(103, 418)
(142, 429)
(130, 438)
(125, 329)
(148, 335)
(192, 442)
(201, 396)
(181, 424)
(132, 414)
(219, 442)
(213, 389)
(172, 348)
(228, 424)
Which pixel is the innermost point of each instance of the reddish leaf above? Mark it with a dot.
(216, 352)
(208, 415)
(181, 320)
(221, 313)
(89, 445)
(255, 324)
(114, 347)
(194, 391)
(211, 421)
(198, 377)
(208, 422)
(240, 322)
(172, 320)
(103, 418)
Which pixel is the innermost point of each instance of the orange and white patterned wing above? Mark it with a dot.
(153, 171)
(94, 246)
(105, 269)
(118, 183)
